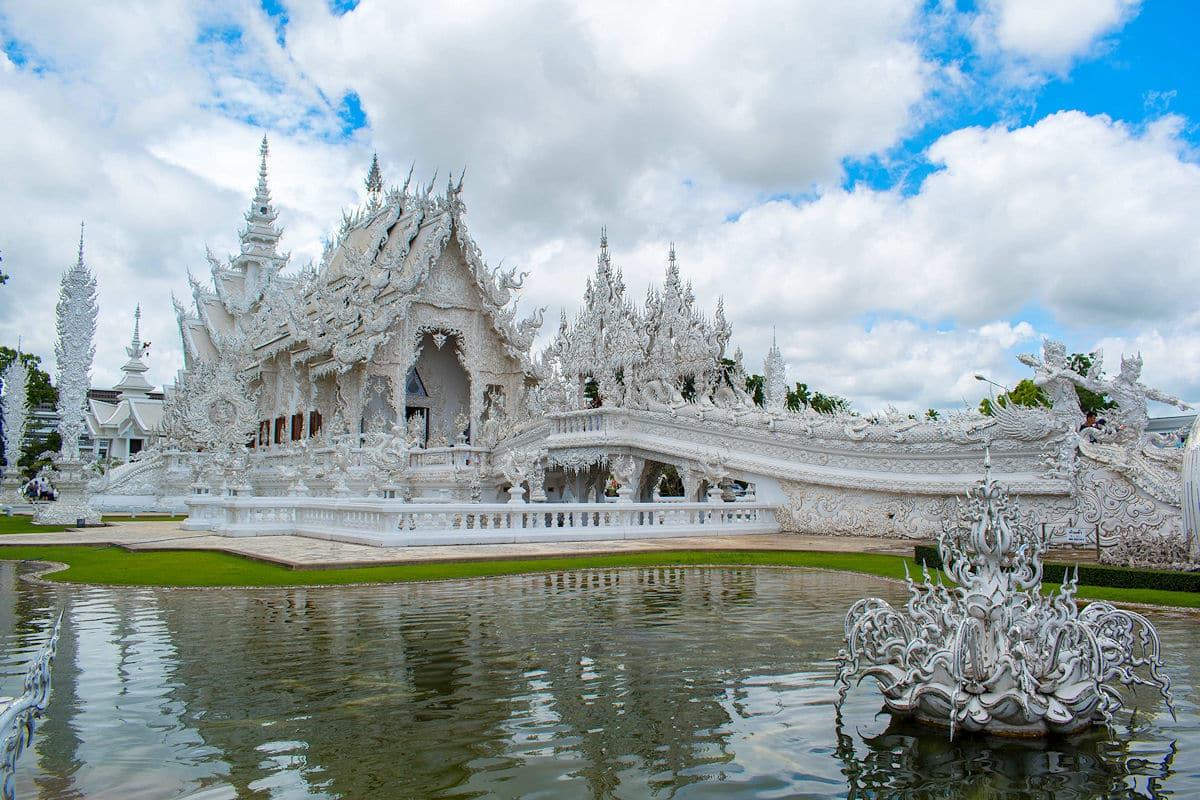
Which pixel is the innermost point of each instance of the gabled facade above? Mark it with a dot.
(403, 327)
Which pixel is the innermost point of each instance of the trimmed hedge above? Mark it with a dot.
(1094, 574)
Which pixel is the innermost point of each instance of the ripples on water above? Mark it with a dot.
(687, 683)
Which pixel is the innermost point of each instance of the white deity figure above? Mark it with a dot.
(1129, 418)
(416, 430)
(1055, 377)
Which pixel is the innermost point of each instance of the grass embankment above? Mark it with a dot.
(113, 565)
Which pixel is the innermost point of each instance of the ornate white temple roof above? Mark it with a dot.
(338, 315)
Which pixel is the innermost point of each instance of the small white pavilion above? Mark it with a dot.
(124, 420)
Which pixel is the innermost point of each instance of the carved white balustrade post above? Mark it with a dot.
(16, 418)
(516, 494)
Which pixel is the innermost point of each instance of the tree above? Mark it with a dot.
(1089, 401)
(754, 388)
(31, 454)
(40, 390)
(802, 397)
(1025, 393)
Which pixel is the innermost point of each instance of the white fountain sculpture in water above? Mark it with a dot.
(993, 654)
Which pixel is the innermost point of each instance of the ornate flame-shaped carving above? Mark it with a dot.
(992, 653)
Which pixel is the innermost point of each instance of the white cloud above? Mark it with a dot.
(1079, 218)
(1049, 34)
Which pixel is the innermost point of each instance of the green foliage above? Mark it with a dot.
(755, 385)
(1089, 401)
(1024, 393)
(39, 391)
(669, 483)
(591, 390)
(931, 414)
(803, 397)
(688, 389)
(31, 454)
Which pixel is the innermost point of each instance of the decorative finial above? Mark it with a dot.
(671, 256)
(137, 322)
(81, 242)
(374, 181)
(261, 204)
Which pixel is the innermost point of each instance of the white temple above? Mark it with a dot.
(391, 395)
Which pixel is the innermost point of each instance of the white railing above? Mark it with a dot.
(590, 421)
(19, 715)
(394, 523)
(457, 456)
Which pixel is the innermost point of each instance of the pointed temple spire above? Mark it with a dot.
(374, 181)
(262, 195)
(260, 238)
(774, 377)
(136, 342)
(134, 383)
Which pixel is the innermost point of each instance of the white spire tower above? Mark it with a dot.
(259, 258)
(74, 351)
(134, 383)
(16, 418)
(774, 378)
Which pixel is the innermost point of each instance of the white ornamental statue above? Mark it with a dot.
(16, 418)
(993, 654)
(1190, 496)
(74, 350)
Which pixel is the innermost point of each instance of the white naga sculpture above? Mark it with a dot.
(993, 654)
(74, 351)
(16, 417)
(19, 715)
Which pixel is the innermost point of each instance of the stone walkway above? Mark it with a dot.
(299, 552)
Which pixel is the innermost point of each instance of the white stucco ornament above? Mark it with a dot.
(15, 416)
(993, 654)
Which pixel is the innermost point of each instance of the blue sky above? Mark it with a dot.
(908, 192)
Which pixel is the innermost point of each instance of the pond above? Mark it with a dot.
(629, 683)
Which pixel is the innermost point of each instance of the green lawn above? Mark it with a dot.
(20, 524)
(23, 524)
(113, 565)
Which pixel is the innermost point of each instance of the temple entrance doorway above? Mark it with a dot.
(439, 389)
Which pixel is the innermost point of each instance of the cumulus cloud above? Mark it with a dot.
(1042, 35)
(1085, 219)
(572, 112)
